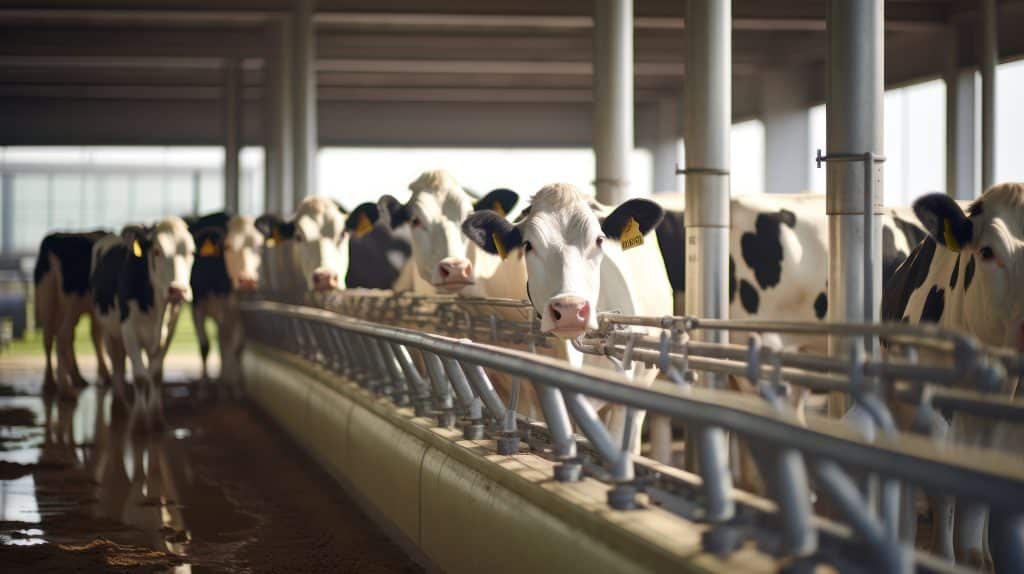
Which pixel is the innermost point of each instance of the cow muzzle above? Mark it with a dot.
(453, 273)
(177, 294)
(325, 279)
(247, 283)
(568, 316)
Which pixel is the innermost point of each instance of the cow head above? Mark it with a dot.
(435, 213)
(169, 250)
(319, 232)
(563, 238)
(989, 238)
(242, 253)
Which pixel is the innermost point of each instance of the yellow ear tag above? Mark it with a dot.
(949, 238)
(497, 208)
(631, 236)
(136, 248)
(271, 242)
(208, 249)
(363, 226)
(499, 245)
(276, 235)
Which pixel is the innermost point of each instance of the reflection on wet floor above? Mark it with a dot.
(220, 490)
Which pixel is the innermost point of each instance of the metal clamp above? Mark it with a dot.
(701, 170)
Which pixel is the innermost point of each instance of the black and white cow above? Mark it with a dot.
(227, 262)
(310, 252)
(967, 275)
(140, 281)
(62, 295)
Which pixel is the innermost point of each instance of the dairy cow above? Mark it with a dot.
(140, 281)
(967, 276)
(443, 260)
(227, 262)
(63, 294)
(577, 266)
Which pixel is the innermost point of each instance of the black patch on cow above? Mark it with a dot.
(105, 277)
(939, 215)
(481, 227)
(506, 198)
(74, 252)
(907, 278)
(134, 282)
(762, 249)
(732, 279)
(956, 273)
(891, 256)
(374, 247)
(218, 220)
(934, 304)
(911, 231)
(968, 273)
(975, 209)
(671, 233)
(397, 213)
(209, 273)
(821, 305)
(748, 296)
(644, 211)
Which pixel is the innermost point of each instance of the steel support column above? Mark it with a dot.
(854, 104)
(613, 98)
(304, 102)
(277, 113)
(989, 60)
(668, 146)
(961, 122)
(7, 206)
(787, 132)
(232, 126)
(708, 112)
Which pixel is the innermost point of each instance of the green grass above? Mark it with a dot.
(184, 338)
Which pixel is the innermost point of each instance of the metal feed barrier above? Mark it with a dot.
(863, 478)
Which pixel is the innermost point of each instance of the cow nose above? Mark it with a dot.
(247, 283)
(325, 279)
(569, 314)
(177, 293)
(455, 270)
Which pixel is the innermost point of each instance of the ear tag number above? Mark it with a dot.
(363, 225)
(136, 248)
(631, 236)
(208, 249)
(948, 237)
(499, 245)
(497, 208)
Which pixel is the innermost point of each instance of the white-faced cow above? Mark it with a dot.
(63, 295)
(310, 252)
(227, 262)
(140, 281)
(443, 260)
(577, 267)
(967, 276)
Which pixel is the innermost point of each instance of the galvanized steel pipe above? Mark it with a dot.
(613, 98)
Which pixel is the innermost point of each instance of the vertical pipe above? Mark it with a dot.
(667, 154)
(304, 102)
(854, 107)
(613, 98)
(7, 197)
(961, 109)
(989, 60)
(277, 131)
(708, 110)
(197, 179)
(232, 126)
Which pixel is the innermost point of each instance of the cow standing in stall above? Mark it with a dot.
(577, 264)
(62, 295)
(140, 281)
(967, 276)
(227, 263)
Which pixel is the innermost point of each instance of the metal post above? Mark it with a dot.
(232, 118)
(708, 108)
(854, 104)
(197, 179)
(277, 131)
(7, 197)
(613, 98)
(961, 111)
(667, 148)
(989, 60)
(304, 102)
(787, 131)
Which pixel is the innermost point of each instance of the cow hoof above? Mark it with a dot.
(49, 388)
(80, 383)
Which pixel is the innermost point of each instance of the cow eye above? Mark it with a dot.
(157, 252)
(415, 222)
(986, 253)
(600, 241)
(527, 247)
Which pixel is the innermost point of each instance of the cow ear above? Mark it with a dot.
(362, 219)
(392, 212)
(492, 232)
(340, 207)
(500, 201)
(944, 221)
(646, 213)
(266, 223)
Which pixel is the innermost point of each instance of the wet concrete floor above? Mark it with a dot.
(220, 490)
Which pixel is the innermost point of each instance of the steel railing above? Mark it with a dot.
(451, 378)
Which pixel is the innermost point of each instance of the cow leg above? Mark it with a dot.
(199, 320)
(49, 383)
(96, 330)
(115, 347)
(65, 355)
(140, 376)
(661, 439)
(76, 306)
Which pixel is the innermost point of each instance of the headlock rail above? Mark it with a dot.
(441, 354)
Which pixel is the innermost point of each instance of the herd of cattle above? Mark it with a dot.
(566, 254)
